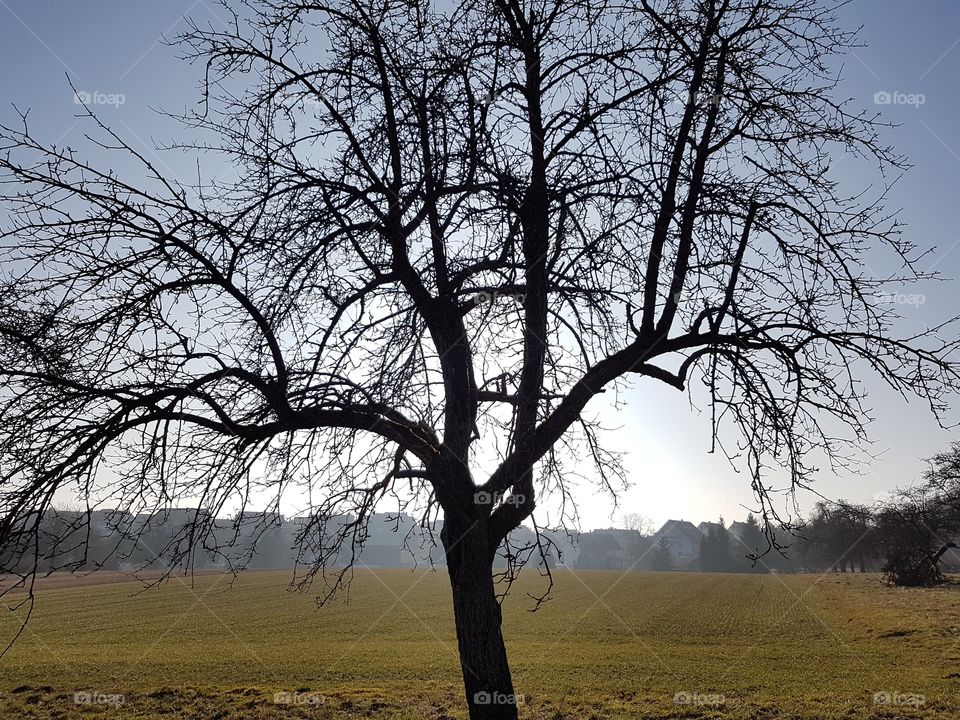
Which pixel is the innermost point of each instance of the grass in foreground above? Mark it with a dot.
(607, 646)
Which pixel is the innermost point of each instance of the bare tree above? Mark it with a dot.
(452, 228)
(639, 523)
(919, 525)
(839, 535)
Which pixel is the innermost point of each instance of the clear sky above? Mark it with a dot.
(909, 69)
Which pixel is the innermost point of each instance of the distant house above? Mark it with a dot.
(739, 530)
(176, 535)
(705, 527)
(600, 550)
(106, 523)
(176, 519)
(564, 548)
(684, 541)
(386, 535)
(310, 537)
(521, 542)
(260, 518)
(746, 537)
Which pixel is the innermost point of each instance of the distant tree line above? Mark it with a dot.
(108, 539)
(911, 538)
(193, 539)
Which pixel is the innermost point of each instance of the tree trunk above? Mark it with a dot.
(483, 656)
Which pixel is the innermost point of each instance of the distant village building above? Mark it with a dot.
(389, 535)
(106, 523)
(601, 551)
(193, 537)
(739, 530)
(705, 527)
(683, 539)
(565, 550)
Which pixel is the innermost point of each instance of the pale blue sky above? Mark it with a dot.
(112, 48)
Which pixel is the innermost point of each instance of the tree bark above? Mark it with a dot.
(483, 655)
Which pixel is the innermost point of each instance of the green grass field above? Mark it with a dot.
(607, 645)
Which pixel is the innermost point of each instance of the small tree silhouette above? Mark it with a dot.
(918, 526)
(716, 554)
(661, 557)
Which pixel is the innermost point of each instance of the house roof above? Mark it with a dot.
(604, 542)
(680, 527)
(264, 516)
(705, 527)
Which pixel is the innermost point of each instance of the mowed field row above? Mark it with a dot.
(608, 645)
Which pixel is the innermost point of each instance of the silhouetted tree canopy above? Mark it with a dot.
(450, 228)
(920, 524)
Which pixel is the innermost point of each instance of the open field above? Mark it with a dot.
(607, 646)
(58, 580)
